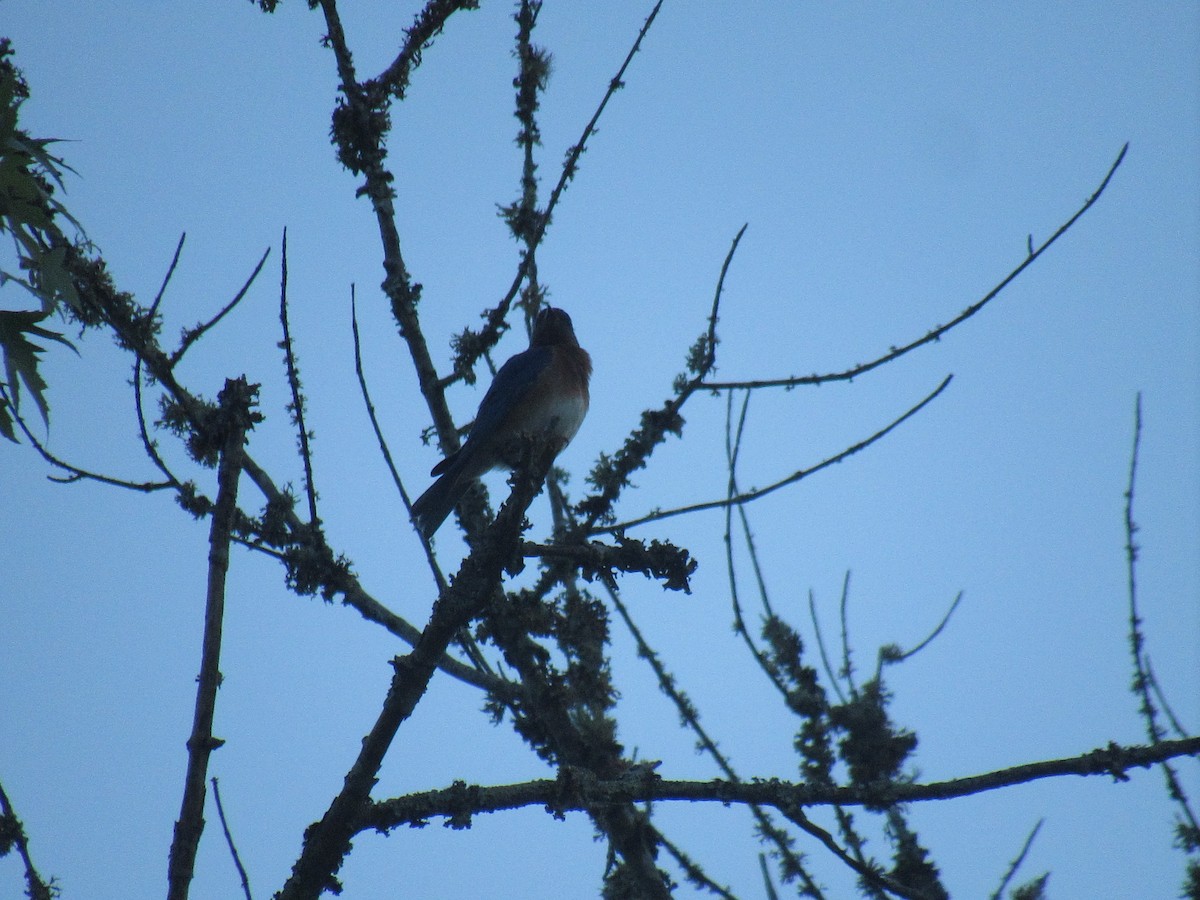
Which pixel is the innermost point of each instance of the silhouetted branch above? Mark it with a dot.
(939, 330)
(1013, 866)
(75, 472)
(237, 417)
(162, 289)
(819, 632)
(611, 474)
(642, 785)
(665, 562)
(296, 407)
(474, 345)
(328, 841)
(891, 654)
(871, 874)
(1137, 640)
(752, 495)
(12, 833)
(427, 25)
(233, 851)
(191, 335)
(694, 872)
(691, 718)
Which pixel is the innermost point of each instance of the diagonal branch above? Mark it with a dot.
(13, 831)
(751, 495)
(192, 335)
(327, 842)
(75, 473)
(936, 333)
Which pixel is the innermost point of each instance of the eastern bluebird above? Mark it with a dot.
(543, 390)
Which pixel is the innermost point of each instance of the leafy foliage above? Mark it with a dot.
(30, 214)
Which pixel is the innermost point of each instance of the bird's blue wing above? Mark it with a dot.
(512, 384)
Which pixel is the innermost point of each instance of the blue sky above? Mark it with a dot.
(890, 161)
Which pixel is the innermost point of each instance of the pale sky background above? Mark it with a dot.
(890, 160)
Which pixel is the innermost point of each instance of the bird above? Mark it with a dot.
(542, 391)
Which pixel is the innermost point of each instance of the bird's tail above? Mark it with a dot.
(432, 507)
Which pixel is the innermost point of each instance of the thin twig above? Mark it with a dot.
(732, 450)
(936, 333)
(1167, 711)
(143, 431)
(752, 495)
(692, 869)
(871, 874)
(768, 885)
(498, 313)
(468, 644)
(170, 272)
(1137, 640)
(691, 718)
(233, 851)
(194, 334)
(293, 377)
(847, 671)
(895, 655)
(1015, 864)
(710, 360)
(819, 632)
(611, 477)
(75, 472)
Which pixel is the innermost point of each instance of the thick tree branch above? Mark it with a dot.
(236, 403)
(328, 841)
(643, 785)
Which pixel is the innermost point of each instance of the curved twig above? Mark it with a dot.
(75, 472)
(936, 333)
(191, 335)
(749, 496)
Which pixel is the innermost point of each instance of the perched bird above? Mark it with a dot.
(543, 390)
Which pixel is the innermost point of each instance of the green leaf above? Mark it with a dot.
(6, 422)
(21, 360)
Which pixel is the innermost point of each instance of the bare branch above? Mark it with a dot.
(328, 841)
(749, 496)
(611, 475)
(233, 851)
(1142, 677)
(643, 785)
(891, 655)
(293, 378)
(936, 333)
(237, 401)
(492, 331)
(1016, 863)
(691, 718)
(191, 335)
(871, 874)
(75, 473)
